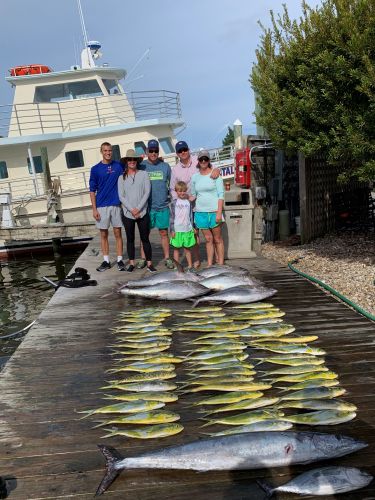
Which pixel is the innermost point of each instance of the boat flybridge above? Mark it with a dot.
(62, 117)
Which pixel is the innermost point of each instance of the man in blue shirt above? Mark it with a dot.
(160, 176)
(105, 203)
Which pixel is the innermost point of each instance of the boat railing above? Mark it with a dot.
(73, 181)
(87, 112)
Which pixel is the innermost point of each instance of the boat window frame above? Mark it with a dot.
(66, 94)
(140, 148)
(38, 165)
(82, 160)
(3, 168)
(116, 152)
(166, 141)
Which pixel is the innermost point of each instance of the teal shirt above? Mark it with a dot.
(207, 191)
(160, 177)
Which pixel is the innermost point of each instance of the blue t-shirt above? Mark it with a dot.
(160, 177)
(103, 182)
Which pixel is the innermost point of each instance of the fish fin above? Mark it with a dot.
(180, 269)
(196, 302)
(267, 487)
(111, 456)
(283, 389)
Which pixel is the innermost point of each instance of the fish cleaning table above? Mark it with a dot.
(48, 451)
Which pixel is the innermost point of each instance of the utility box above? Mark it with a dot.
(6, 217)
(238, 231)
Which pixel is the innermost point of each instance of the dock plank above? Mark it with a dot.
(48, 451)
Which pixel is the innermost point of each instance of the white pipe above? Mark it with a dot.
(33, 173)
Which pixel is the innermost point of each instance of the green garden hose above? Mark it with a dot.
(331, 290)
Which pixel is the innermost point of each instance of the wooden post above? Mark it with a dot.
(46, 172)
(303, 198)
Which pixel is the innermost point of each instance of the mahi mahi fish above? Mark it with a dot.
(256, 450)
(239, 295)
(166, 291)
(324, 481)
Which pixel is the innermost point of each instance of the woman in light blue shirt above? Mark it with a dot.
(208, 217)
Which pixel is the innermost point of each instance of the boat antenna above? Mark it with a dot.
(84, 32)
(146, 53)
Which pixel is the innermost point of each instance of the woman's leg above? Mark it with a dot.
(143, 224)
(209, 245)
(219, 244)
(129, 225)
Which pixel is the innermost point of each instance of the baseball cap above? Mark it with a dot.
(181, 145)
(203, 153)
(152, 144)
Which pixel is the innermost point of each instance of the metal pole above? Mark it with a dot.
(33, 173)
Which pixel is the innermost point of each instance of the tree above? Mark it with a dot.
(229, 138)
(315, 83)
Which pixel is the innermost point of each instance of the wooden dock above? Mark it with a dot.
(47, 451)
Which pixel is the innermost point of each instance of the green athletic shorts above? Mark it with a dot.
(159, 218)
(183, 240)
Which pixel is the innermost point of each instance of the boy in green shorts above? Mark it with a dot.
(181, 224)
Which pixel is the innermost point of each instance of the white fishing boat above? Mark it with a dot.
(61, 118)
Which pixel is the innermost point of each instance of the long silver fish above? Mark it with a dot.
(238, 295)
(324, 481)
(256, 450)
(223, 269)
(166, 291)
(164, 277)
(224, 281)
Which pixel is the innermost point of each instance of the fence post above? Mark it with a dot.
(303, 198)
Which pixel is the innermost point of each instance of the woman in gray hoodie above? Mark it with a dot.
(134, 189)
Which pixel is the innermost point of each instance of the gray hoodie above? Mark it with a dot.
(134, 192)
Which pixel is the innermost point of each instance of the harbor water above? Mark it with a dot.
(24, 294)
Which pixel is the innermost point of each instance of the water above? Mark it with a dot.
(24, 294)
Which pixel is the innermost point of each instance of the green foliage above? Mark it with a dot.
(229, 138)
(315, 83)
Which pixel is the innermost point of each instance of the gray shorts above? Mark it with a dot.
(109, 216)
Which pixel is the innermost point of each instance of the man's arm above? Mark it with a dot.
(95, 212)
(215, 173)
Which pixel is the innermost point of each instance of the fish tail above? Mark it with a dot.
(195, 303)
(87, 413)
(111, 456)
(283, 389)
(207, 424)
(267, 487)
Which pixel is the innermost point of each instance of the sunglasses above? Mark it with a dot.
(204, 158)
(153, 151)
(183, 150)
(131, 159)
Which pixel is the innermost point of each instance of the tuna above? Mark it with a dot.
(238, 295)
(164, 277)
(257, 450)
(226, 280)
(166, 291)
(325, 481)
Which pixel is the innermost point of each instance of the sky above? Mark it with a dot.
(203, 49)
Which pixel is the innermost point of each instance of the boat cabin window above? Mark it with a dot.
(37, 160)
(116, 153)
(3, 170)
(166, 144)
(74, 159)
(111, 86)
(67, 91)
(140, 148)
